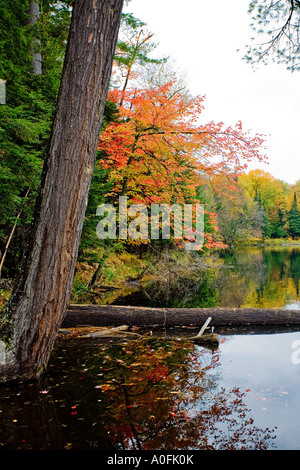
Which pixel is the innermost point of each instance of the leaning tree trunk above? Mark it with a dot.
(37, 307)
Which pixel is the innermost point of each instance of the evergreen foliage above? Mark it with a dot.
(277, 27)
(294, 219)
(26, 117)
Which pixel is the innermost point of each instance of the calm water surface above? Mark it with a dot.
(260, 277)
(266, 277)
(158, 393)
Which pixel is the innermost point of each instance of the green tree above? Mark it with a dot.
(25, 119)
(271, 195)
(280, 229)
(294, 219)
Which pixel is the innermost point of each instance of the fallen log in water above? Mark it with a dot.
(210, 340)
(111, 315)
(96, 332)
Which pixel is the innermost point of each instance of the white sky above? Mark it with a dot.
(203, 38)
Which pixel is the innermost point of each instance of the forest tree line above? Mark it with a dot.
(153, 148)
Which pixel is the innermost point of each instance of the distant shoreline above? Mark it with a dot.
(268, 242)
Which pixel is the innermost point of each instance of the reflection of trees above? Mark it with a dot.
(256, 277)
(193, 289)
(147, 394)
(259, 277)
(178, 281)
(245, 270)
(232, 288)
(282, 280)
(295, 268)
(164, 398)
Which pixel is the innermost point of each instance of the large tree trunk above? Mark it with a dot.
(37, 306)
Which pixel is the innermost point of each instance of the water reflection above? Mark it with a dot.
(155, 393)
(265, 367)
(260, 277)
(245, 277)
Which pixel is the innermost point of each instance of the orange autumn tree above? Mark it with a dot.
(157, 151)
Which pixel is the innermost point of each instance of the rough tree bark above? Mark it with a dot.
(113, 315)
(36, 309)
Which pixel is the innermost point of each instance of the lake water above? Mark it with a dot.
(266, 277)
(164, 392)
(260, 277)
(160, 393)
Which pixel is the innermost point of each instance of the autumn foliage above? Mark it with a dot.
(158, 151)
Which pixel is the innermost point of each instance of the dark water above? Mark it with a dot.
(247, 277)
(159, 393)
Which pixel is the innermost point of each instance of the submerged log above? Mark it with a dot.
(112, 315)
(209, 339)
(96, 332)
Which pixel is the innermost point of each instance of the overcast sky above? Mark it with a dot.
(203, 38)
